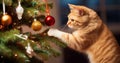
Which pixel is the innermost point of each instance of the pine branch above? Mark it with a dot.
(5, 51)
(7, 2)
(51, 39)
(10, 45)
(8, 36)
(13, 47)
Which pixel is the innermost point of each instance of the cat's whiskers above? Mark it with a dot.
(63, 28)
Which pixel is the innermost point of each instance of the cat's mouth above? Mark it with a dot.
(76, 25)
(70, 26)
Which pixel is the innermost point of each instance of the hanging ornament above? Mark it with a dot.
(29, 50)
(6, 19)
(24, 37)
(19, 11)
(36, 25)
(49, 20)
(47, 8)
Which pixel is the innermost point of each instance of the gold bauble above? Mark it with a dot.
(36, 25)
(6, 20)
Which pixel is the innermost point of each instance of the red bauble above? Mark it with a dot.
(49, 20)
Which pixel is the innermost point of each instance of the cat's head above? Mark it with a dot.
(79, 16)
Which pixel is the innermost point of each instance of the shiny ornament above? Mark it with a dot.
(1, 27)
(19, 11)
(6, 20)
(36, 25)
(49, 20)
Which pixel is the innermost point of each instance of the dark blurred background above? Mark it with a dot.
(108, 10)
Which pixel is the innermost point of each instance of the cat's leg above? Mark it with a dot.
(77, 41)
(70, 39)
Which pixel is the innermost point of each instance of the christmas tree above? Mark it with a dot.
(19, 47)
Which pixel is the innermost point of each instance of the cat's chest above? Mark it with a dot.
(78, 32)
(90, 57)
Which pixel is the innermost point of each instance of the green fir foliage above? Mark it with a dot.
(14, 48)
(18, 47)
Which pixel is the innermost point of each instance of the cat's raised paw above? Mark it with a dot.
(51, 32)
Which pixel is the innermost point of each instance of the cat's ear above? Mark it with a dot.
(71, 6)
(82, 12)
(77, 10)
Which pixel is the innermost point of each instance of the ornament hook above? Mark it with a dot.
(3, 3)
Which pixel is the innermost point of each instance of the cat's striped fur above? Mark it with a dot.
(91, 36)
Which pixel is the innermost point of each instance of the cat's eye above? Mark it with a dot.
(72, 20)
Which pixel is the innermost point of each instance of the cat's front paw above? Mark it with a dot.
(51, 32)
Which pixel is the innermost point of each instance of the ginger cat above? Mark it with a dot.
(91, 36)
